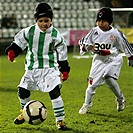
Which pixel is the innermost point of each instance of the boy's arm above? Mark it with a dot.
(86, 43)
(125, 47)
(13, 51)
(61, 48)
(64, 69)
(18, 45)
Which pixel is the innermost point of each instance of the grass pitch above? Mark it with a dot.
(102, 118)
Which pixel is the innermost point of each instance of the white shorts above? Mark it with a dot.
(41, 79)
(105, 66)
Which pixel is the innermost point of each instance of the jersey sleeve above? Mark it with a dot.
(61, 48)
(20, 39)
(19, 43)
(85, 41)
(124, 45)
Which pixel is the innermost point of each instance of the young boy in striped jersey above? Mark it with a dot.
(46, 57)
(105, 42)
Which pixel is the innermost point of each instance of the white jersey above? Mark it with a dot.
(45, 49)
(109, 65)
(112, 40)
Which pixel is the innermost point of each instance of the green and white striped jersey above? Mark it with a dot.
(44, 48)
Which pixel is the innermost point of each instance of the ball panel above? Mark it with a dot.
(25, 114)
(35, 112)
(44, 111)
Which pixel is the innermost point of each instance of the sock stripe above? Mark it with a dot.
(59, 114)
(59, 111)
(59, 108)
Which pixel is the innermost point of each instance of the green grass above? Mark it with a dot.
(103, 116)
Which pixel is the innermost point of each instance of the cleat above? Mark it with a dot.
(61, 125)
(121, 104)
(20, 119)
(85, 108)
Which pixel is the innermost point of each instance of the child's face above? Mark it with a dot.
(103, 25)
(44, 23)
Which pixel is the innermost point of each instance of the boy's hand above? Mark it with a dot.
(11, 55)
(89, 47)
(64, 76)
(130, 61)
(83, 48)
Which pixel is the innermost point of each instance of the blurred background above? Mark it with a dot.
(73, 18)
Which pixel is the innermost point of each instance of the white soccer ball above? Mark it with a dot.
(35, 112)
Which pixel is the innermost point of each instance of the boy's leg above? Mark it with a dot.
(58, 107)
(114, 86)
(90, 91)
(24, 97)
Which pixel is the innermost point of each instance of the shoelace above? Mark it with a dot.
(20, 117)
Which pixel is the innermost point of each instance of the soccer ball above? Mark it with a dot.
(35, 112)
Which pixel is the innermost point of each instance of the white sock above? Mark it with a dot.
(58, 107)
(24, 101)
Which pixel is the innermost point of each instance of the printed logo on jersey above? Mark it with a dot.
(99, 46)
(112, 38)
(95, 33)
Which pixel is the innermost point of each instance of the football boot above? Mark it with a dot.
(20, 119)
(61, 125)
(121, 104)
(85, 108)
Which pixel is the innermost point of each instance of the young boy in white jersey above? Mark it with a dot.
(46, 57)
(105, 42)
